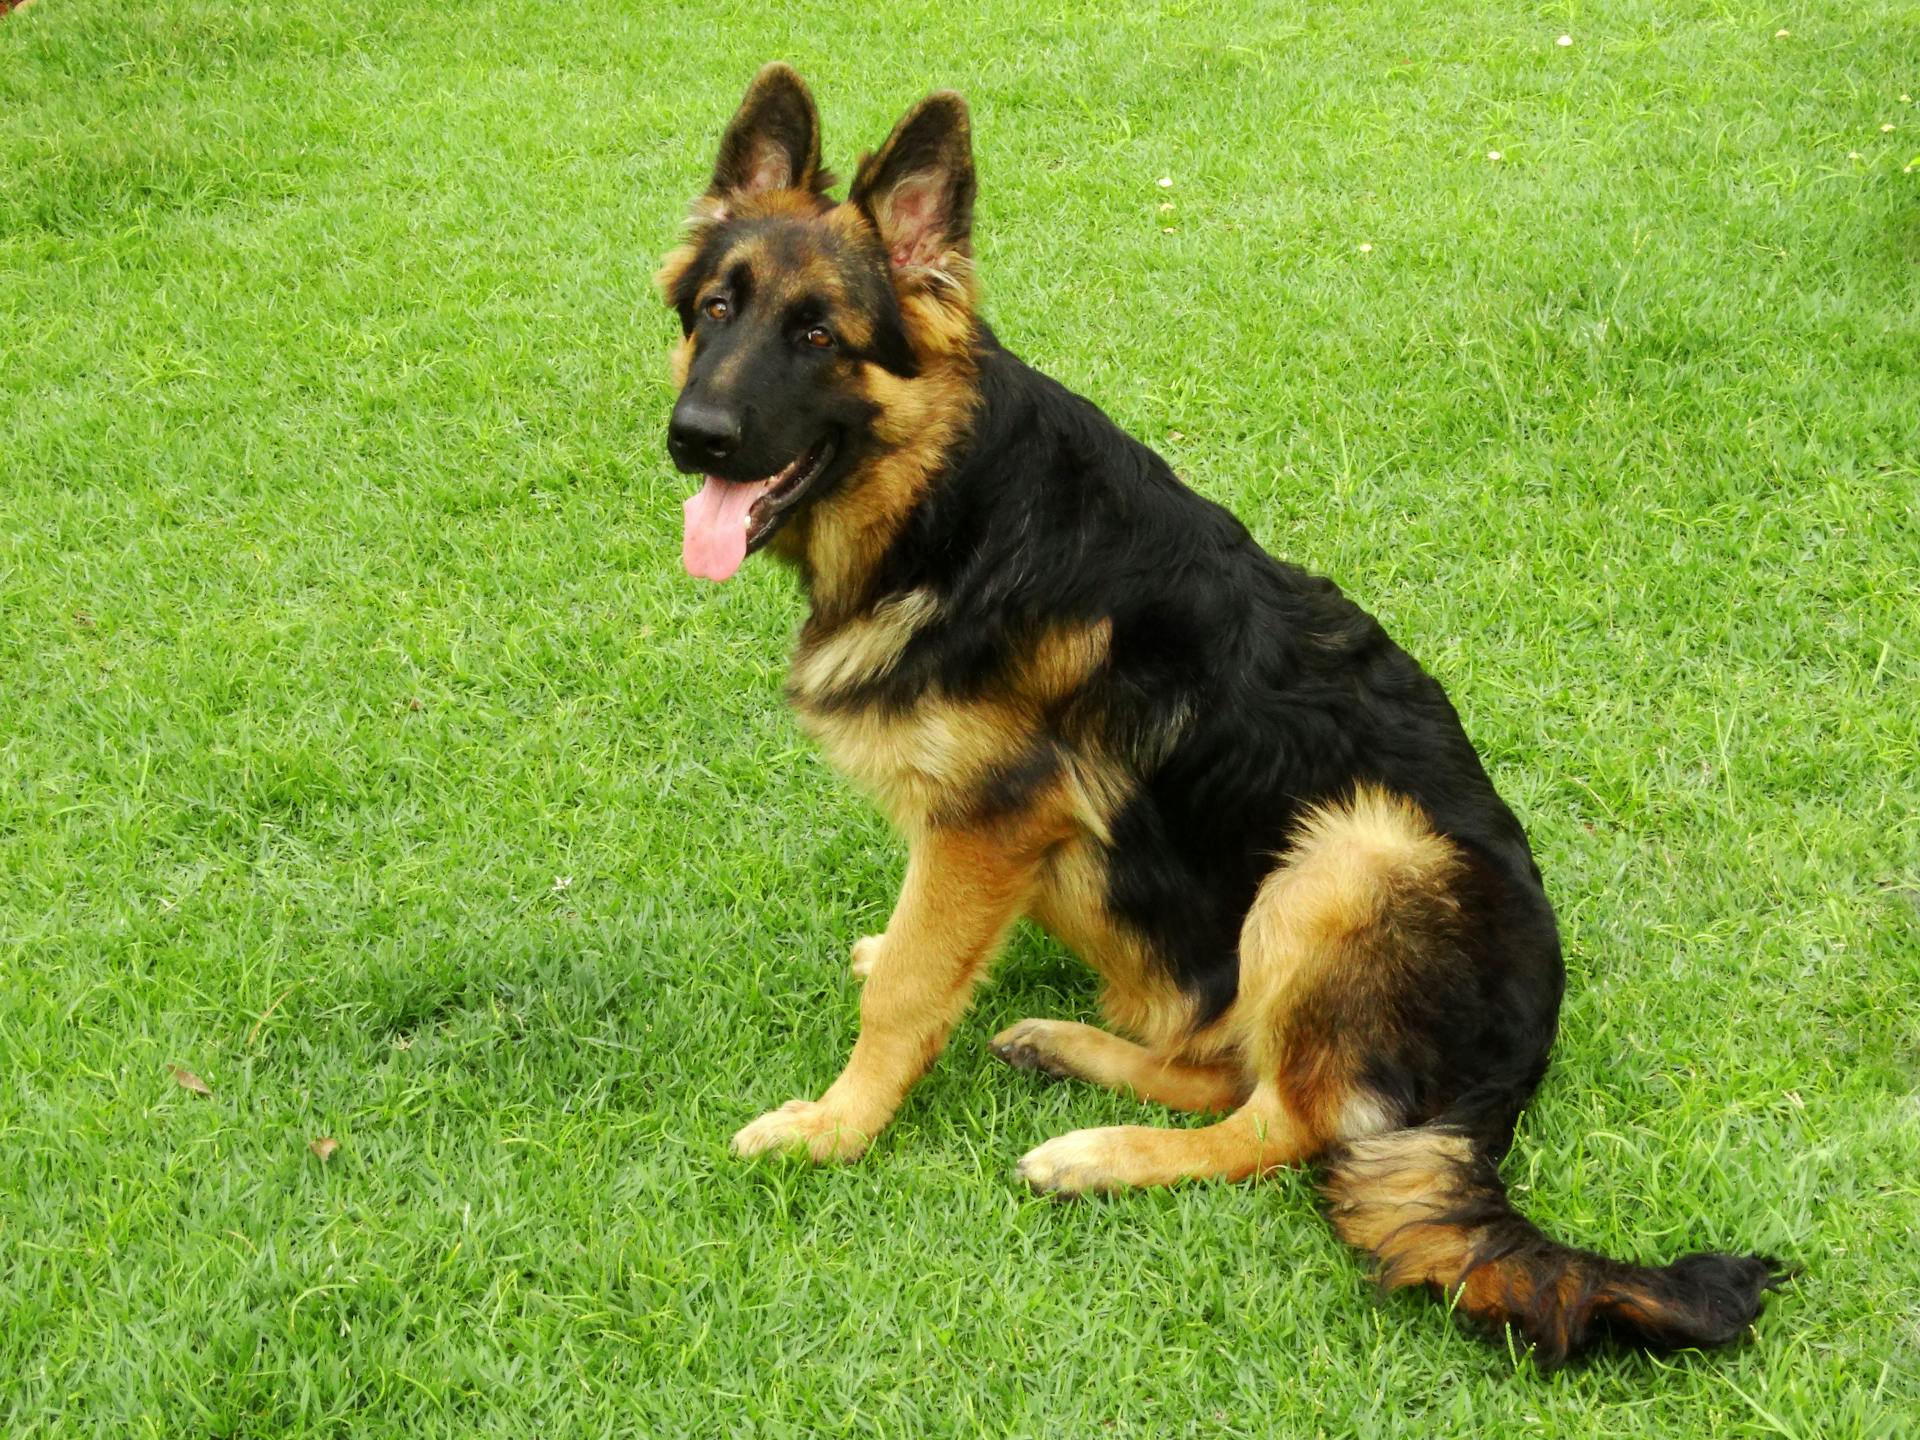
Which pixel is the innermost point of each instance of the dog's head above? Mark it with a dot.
(823, 344)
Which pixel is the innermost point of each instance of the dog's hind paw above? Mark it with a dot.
(1076, 1163)
(802, 1127)
(1029, 1045)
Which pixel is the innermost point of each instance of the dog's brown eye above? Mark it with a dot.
(819, 337)
(717, 309)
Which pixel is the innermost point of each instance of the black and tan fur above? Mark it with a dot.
(1084, 695)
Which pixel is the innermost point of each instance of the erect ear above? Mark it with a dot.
(772, 142)
(918, 189)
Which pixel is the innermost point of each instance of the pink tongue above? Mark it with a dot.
(716, 535)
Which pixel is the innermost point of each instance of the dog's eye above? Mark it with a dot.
(819, 337)
(717, 309)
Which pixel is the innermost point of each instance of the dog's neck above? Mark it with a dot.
(840, 544)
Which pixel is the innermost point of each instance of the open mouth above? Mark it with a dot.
(783, 488)
(729, 519)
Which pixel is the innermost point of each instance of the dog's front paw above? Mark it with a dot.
(1076, 1163)
(802, 1127)
(866, 950)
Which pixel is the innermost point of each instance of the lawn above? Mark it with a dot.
(365, 753)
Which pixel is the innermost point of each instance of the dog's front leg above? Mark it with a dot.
(963, 889)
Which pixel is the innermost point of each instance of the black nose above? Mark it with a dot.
(700, 434)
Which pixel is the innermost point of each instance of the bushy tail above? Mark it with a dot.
(1428, 1202)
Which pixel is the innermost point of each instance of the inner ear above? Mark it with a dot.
(773, 140)
(912, 216)
(918, 189)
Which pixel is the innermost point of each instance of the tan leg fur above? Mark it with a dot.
(963, 889)
(1341, 922)
(1261, 1135)
(1065, 1048)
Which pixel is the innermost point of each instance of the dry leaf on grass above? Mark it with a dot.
(190, 1081)
(324, 1147)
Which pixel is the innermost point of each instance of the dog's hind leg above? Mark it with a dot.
(1067, 1049)
(1360, 913)
(1260, 1136)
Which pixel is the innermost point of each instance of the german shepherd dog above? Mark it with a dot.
(1084, 694)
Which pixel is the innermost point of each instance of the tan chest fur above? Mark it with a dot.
(929, 760)
(925, 764)
(920, 766)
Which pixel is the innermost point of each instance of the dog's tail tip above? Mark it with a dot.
(1429, 1205)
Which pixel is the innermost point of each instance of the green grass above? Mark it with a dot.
(341, 619)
